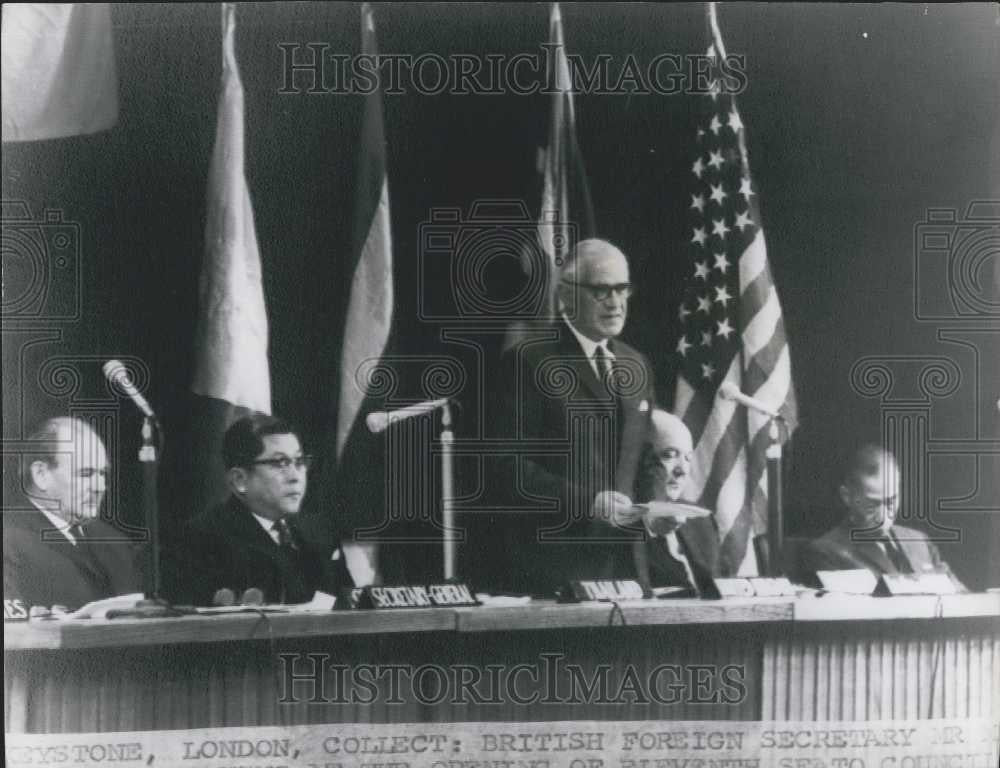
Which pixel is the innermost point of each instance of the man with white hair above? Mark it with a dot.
(680, 550)
(59, 552)
(575, 408)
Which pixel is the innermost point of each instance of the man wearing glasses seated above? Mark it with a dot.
(575, 408)
(253, 540)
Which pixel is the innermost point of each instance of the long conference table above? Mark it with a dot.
(828, 658)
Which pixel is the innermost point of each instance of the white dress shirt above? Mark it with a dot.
(590, 348)
(57, 522)
(268, 526)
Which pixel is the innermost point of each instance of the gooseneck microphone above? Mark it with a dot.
(117, 374)
(377, 421)
(729, 391)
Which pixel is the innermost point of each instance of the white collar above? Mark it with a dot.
(589, 345)
(57, 522)
(267, 525)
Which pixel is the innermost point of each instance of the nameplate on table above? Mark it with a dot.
(730, 588)
(772, 586)
(854, 581)
(606, 590)
(937, 583)
(15, 609)
(389, 597)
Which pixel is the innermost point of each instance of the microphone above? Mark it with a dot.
(252, 596)
(729, 391)
(377, 421)
(117, 375)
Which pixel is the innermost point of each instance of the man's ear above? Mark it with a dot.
(845, 495)
(237, 477)
(39, 471)
(564, 299)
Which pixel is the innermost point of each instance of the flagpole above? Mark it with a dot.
(447, 492)
(775, 502)
(149, 459)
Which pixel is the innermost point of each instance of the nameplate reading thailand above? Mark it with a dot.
(606, 590)
(565, 744)
(416, 596)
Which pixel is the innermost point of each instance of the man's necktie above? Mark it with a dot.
(895, 554)
(284, 531)
(605, 370)
(602, 363)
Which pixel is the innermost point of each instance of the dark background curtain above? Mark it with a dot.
(859, 119)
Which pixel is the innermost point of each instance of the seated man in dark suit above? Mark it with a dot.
(253, 540)
(678, 551)
(869, 537)
(56, 550)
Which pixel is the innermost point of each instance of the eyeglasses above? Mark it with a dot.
(602, 292)
(284, 463)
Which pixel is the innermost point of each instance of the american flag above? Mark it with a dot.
(730, 329)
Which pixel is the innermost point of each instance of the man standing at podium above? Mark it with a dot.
(869, 537)
(254, 540)
(56, 550)
(575, 410)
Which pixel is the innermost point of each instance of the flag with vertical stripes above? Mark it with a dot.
(730, 328)
(369, 312)
(231, 373)
(58, 70)
(567, 212)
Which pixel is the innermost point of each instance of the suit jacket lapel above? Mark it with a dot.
(870, 551)
(577, 359)
(914, 552)
(243, 525)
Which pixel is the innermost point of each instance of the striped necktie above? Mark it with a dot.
(284, 531)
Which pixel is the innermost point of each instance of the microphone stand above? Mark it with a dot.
(150, 482)
(153, 606)
(775, 502)
(447, 492)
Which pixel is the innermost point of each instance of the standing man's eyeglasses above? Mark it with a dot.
(603, 292)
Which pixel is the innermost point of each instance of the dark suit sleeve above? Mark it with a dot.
(336, 576)
(822, 555)
(13, 571)
(941, 565)
(204, 558)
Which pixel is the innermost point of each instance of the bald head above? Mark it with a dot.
(594, 289)
(870, 489)
(67, 469)
(670, 450)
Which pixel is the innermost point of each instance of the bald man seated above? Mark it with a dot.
(869, 537)
(56, 550)
(678, 551)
